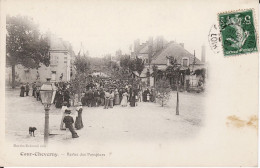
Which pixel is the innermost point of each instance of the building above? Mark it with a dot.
(189, 64)
(158, 53)
(146, 50)
(60, 67)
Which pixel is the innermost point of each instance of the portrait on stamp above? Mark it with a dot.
(238, 32)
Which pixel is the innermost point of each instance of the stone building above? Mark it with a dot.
(60, 68)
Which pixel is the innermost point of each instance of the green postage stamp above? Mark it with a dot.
(238, 32)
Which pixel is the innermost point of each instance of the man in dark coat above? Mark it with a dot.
(90, 96)
(84, 99)
(96, 97)
(67, 97)
(145, 95)
(34, 89)
(132, 98)
(27, 88)
(68, 120)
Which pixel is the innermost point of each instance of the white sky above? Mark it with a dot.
(106, 26)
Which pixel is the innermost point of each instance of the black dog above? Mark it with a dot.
(31, 130)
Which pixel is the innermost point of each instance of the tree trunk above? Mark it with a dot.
(13, 76)
(162, 99)
(79, 95)
(177, 106)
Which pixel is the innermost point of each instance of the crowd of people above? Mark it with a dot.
(25, 89)
(106, 93)
(96, 93)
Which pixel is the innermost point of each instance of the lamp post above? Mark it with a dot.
(47, 93)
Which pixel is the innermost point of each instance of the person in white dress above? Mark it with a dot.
(124, 99)
(63, 108)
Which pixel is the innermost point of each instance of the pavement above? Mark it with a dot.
(146, 122)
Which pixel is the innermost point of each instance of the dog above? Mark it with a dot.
(31, 130)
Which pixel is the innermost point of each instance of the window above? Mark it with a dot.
(54, 60)
(185, 62)
(53, 75)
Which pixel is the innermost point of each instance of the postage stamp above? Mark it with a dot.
(238, 32)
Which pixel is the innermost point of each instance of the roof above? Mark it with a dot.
(177, 51)
(144, 49)
(58, 44)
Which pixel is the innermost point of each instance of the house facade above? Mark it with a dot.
(60, 68)
(158, 53)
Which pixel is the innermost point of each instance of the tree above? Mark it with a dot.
(83, 69)
(131, 65)
(163, 88)
(139, 65)
(25, 45)
(155, 73)
(174, 71)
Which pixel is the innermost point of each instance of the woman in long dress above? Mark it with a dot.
(132, 98)
(78, 122)
(22, 91)
(124, 99)
(58, 100)
(117, 100)
(111, 100)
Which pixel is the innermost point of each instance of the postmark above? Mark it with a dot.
(214, 39)
(238, 33)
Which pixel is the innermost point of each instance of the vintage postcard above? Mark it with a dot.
(129, 83)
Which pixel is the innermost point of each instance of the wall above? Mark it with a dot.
(30, 75)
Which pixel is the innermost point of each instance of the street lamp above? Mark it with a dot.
(47, 93)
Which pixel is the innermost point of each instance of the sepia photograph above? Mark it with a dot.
(129, 83)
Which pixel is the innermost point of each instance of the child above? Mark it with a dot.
(68, 120)
(63, 109)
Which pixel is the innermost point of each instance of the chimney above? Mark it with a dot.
(159, 43)
(150, 41)
(136, 45)
(203, 54)
(182, 44)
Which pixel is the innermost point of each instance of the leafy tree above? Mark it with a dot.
(173, 71)
(139, 65)
(83, 69)
(131, 65)
(155, 73)
(82, 64)
(163, 88)
(24, 44)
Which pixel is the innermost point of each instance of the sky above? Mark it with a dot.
(106, 26)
